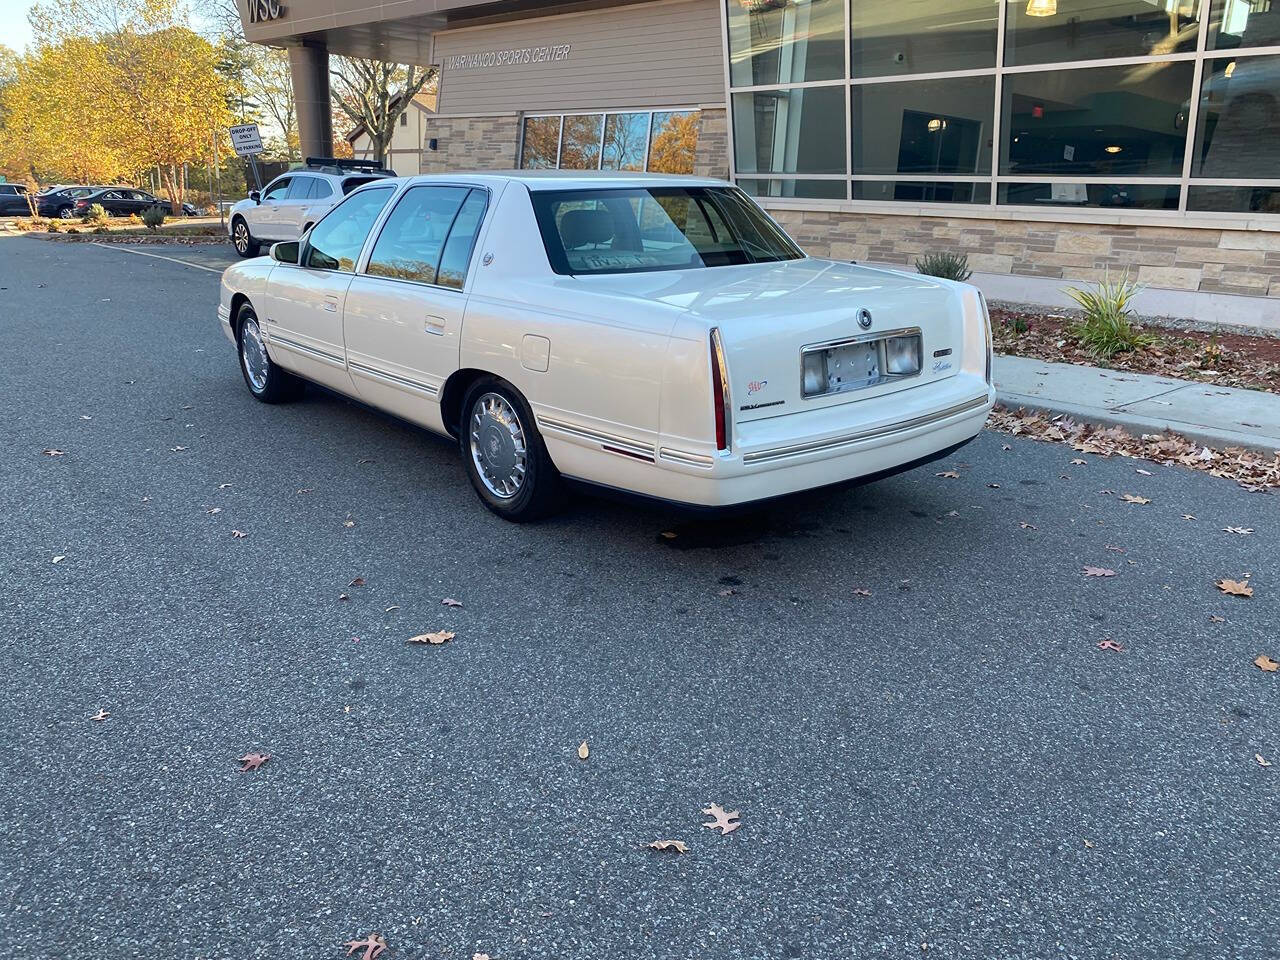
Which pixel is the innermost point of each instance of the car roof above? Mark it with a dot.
(571, 179)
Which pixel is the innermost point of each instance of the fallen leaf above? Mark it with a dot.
(583, 750)
(60, 558)
(238, 534)
(1263, 662)
(394, 606)
(343, 596)
(1214, 618)
(357, 582)
(1109, 644)
(348, 522)
(1145, 473)
(1236, 588)
(668, 535)
(54, 452)
(861, 592)
(480, 956)
(1113, 548)
(1088, 844)
(305, 490)
(1077, 462)
(100, 715)
(1262, 761)
(212, 510)
(1098, 572)
(948, 473)
(1133, 498)
(372, 945)
(1243, 531)
(1005, 446)
(177, 449)
(363, 460)
(994, 486)
(224, 486)
(728, 592)
(85, 416)
(725, 821)
(1027, 526)
(252, 761)
(953, 513)
(450, 602)
(435, 639)
(675, 845)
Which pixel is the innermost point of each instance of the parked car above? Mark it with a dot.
(13, 200)
(118, 201)
(60, 201)
(293, 201)
(657, 335)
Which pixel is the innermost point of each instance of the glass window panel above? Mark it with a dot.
(580, 143)
(776, 41)
(1238, 124)
(916, 191)
(462, 241)
(625, 136)
(1053, 31)
(923, 126)
(790, 131)
(277, 190)
(1235, 199)
(335, 242)
(892, 37)
(1105, 121)
(1134, 196)
(819, 189)
(541, 143)
(1244, 23)
(409, 246)
(673, 142)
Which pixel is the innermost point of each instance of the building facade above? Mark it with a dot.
(1052, 141)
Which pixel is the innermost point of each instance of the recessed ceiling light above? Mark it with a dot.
(1112, 149)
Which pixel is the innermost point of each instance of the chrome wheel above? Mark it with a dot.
(65, 213)
(253, 354)
(499, 448)
(240, 236)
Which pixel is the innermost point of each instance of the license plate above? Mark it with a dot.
(856, 365)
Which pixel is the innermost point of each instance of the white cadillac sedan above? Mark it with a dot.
(650, 334)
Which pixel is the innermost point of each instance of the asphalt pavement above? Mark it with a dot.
(947, 765)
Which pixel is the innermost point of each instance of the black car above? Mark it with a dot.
(118, 201)
(61, 201)
(13, 200)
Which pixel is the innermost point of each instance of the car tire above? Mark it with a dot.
(503, 453)
(242, 239)
(265, 380)
(65, 213)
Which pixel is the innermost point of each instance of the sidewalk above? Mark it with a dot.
(1141, 403)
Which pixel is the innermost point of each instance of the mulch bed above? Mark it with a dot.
(192, 239)
(1227, 359)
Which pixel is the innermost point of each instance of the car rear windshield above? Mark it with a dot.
(637, 229)
(351, 183)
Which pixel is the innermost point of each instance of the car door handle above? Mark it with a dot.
(434, 325)
(331, 304)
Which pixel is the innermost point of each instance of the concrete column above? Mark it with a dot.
(309, 65)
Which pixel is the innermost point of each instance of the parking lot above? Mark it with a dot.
(899, 687)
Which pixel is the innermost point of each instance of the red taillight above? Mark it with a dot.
(719, 390)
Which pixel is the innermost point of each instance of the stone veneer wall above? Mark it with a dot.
(712, 159)
(1178, 258)
(470, 143)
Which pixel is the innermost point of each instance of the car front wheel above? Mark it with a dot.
(503, 453)
(242, 239)
(265, 380)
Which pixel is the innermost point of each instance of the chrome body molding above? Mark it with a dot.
(875, 433)
(393, 378)
(274, 340)
(686, 458)
(596, 436)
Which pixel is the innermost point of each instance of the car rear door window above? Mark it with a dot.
(320, 189)
(300, 188)
(336, 241)
(413, 238)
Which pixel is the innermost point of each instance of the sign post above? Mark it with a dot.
(247, 142)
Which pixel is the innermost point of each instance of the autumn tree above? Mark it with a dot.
(373, 94)
(675, 145)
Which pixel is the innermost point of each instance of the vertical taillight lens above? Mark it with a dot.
(719, 390)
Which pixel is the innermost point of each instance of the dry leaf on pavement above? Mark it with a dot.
(450, 602)
(372, 945)
(1263, 662)
(212, 510)
(1077, 462)
(1027, 526)
(861, 592)
(1098, 572)
(357, 582)
(435, 639)
(1188, 516)
(1237, 588)
(348, 522)
(54, 452)
(1214, 618)
(480, 956)
(1262, 761)
(948, 473)
(252, 761)
(1145, 473)
(668, 535)
(238, 534)
(1133, 498)
(1243, 531)
(725, 821)
(100, 715)
(59, 558)
(675, 845)
(1109, 644)
(1113, 548)
(728, 592)
(583, 750)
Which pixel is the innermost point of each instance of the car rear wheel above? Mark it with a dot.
(266, 381)
(65, 213)
(242, 239)
(504, 455)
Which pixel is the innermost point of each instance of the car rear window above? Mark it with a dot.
(351, 183)
(638, 229)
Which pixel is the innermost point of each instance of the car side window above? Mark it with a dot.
(300, 188)
(277, 190)
(462, 241)
(413, 238)
(111, 195)
(320, 188)
(335, 242)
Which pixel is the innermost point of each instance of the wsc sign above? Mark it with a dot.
(261, 10)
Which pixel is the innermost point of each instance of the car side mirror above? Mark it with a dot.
(285, 252)
(255, 196)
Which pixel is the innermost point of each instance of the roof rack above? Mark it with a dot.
(347, 165)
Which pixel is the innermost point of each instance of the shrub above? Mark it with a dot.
(153, 217)
(1019, 324)
(134, 218)
(947, 265)
(95, 214)
(1107, 327)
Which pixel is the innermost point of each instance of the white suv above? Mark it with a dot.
(286, 207)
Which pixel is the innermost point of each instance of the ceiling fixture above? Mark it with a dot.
(1112, 149)
(937, 124)
(1042, 8)
(1231, 68)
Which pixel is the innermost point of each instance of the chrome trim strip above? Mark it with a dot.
(393, 378)
(685, 457)
(288, 344)
(596, 436)
(795, 450)
(860, 338)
